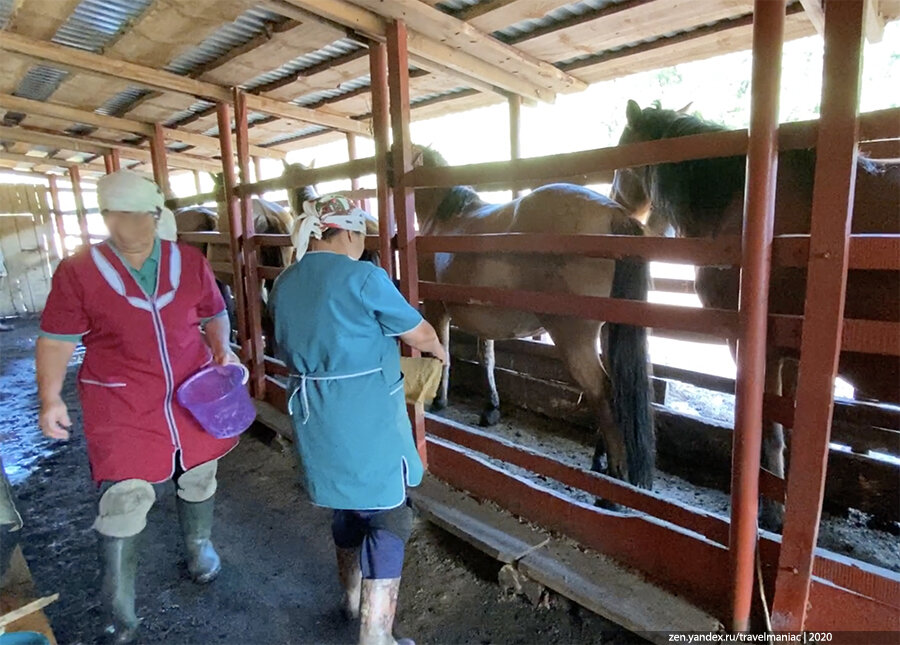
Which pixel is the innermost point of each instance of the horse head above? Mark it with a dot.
(299, 194)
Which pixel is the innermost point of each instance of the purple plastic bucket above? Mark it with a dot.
(218, 399)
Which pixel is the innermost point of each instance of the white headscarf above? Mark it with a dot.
(131, 192)
(329, 211)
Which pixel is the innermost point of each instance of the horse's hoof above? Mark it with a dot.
(489, 418)
(437, 406)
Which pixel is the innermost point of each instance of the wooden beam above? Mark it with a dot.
(315, 117)
(162, 81)
(437, 25)
(81, 213)
(873, 22)
(47, 161)
(75, 115)
(9, 133)
(432, 53)
(159, 163)
(816, 14)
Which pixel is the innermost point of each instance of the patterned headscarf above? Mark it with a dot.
(329, 211)
(131, 192)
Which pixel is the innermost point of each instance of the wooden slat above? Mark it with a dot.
(698, 251)
(311, 176)
(631, 312)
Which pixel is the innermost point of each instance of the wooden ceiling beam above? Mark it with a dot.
(43, 161)
(160, 80)
(8, 133)
(437, 25)
(423, 50)
(74, 115)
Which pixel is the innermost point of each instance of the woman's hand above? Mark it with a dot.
(54, 419)
(226, 357)
(425, 339)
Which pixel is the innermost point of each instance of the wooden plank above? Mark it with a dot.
(373, 26)
(442, 27)
(723, 251)
(503, 538)
(273, 418)
(310, 176)
(10, 133)
(632, 312)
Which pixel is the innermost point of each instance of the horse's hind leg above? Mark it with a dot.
(576, 341)
(491, 413)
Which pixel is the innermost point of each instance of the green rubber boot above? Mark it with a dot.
(196, 519)
(119, 560)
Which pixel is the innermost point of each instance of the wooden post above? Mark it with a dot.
(57, 214)
(248, 248)
(158, 161)
(381, 132)
(515, 133)
(197, 181)
(257, 168)
(759, 217)
(351, 156)
(115, 159)
(75, 178)
(832, 207)
(108, 163)
(404, 202)
(232, 212)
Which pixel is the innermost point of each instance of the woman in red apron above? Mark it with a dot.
(137, 303)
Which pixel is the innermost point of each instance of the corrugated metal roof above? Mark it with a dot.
(120, 103)
(522, 29)
(335, 50)
(94, 24)
(249, 25)
(40, 82)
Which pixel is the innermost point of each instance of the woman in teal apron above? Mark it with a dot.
(337, 323)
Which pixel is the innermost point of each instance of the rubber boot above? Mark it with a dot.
(351, 581)
(196, 520)
(377, 609)
(119, 560)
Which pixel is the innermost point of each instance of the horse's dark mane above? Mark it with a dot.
(458, 198)
(693, 195)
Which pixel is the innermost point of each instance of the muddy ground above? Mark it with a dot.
(278, 583)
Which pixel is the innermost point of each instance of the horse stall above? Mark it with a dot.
(289, 73)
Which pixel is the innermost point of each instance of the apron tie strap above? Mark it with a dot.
(303, 392)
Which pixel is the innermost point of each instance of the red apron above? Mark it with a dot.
(139, 350)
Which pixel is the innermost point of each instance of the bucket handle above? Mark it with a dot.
(245, 374)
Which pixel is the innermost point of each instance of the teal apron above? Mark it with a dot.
(346, 396)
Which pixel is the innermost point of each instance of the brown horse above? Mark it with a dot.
(704, 198)
(625, 421)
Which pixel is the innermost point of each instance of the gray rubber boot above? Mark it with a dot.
(119, 560)
(196, 519)
(351, 581)
(377, 609)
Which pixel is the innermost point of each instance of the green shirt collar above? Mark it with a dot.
(146, 275)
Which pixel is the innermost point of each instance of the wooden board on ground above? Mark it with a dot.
(17, 592)
(590, 580)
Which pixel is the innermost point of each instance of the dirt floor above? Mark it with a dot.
(278, 583)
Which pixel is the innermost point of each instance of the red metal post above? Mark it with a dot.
(404, 201)
(515, 133)
(248, 249)
(381, 132)
(108, 163)
(759, 216)
(823, 315)
(75, 178)
(158, 160)
(57, 214)
(223, 117)
(115, 160)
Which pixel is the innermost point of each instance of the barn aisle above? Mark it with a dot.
(277, 585)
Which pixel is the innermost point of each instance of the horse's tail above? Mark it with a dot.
(629, 366)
